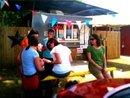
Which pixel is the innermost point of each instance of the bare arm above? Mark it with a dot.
(70, 58)
(104, 63)
(57, 59)
(44, 48)
(92, 61)
(39, 64)
(19, 57)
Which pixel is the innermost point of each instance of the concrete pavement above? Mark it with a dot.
(119, 73)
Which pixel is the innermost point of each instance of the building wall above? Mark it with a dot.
(42, 27)
(125, 40)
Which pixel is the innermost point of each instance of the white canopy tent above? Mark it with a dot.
(119, 6)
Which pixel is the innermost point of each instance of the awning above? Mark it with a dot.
(71, 7)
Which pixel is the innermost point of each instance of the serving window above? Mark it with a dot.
(71, 36)
(67, 33)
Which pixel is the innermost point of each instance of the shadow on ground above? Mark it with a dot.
(123, 67)
(10, 84)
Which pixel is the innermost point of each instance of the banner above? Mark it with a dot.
(53, 21)
(79, 24)
(69, 23)
(44, 18)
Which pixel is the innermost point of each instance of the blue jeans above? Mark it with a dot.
(60, 75)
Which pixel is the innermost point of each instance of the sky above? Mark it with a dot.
(122, 7)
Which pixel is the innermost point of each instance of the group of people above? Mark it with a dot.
(55, 60)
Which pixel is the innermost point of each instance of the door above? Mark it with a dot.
(125, 40)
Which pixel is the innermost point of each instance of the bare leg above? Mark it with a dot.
(107, 75)
(99, 76)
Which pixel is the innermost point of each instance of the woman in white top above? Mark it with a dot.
(61, 58)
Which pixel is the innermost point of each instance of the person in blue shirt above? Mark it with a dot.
(46, 53)
(31, 65)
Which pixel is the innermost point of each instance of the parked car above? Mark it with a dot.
(107, 88)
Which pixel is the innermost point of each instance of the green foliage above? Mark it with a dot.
(11, 18)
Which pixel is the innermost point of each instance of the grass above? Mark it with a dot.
(10, 84)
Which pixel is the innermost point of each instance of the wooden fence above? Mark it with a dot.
(8, 55)
(112, 43)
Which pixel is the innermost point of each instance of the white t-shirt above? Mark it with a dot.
(64, 53)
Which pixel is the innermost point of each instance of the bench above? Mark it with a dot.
(80, 70)
(111, 70)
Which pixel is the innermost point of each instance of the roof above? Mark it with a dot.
(71, 7)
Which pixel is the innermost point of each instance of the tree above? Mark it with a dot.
(11, 18)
